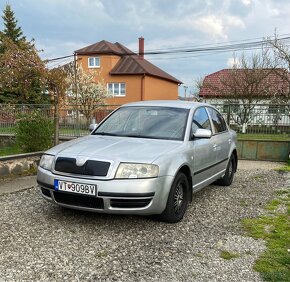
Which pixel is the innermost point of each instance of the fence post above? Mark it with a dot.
(229, 114)
(56, 121)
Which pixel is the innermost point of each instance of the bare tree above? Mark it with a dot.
(246, 84)
(198, 82)
(282, 58)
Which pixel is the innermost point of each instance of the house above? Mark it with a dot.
(250, 97)
(129, 76)
(237, 84)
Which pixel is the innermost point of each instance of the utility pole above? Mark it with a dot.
(185, 89)
(76, 91)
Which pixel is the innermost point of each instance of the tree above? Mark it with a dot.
(245, 85)
(23, 74)
(282, 59)
(85, 93)
(11, 30)
(57, 85)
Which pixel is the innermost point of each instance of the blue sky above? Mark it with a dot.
(60, 27)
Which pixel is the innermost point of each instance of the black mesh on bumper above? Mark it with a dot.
(130, 203)
(45, 192)
(78, 200)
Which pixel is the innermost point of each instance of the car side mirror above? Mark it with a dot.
(92, 127)
(202, 133)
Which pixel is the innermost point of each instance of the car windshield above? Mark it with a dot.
(146, 122)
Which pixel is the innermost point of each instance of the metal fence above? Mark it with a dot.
(257, 118)
(72, 120)
(254, 119)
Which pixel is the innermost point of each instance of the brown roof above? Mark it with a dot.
(102, 47)
(215, 81)
(130, 63)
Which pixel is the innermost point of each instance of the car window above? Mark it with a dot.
(200, 120)
(146, 122)
(218, 121)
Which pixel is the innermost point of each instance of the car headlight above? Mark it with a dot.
(131, 170)
(46, 161)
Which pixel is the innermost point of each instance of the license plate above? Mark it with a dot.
(74, 187)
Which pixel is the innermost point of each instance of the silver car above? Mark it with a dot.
(145, 158)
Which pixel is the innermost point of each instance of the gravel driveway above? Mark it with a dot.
(40, 241)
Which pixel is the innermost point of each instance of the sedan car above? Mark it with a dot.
(145, 158)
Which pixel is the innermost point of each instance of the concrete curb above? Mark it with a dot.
(17, 184)
(21, 156)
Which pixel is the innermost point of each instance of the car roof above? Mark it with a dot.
(167, 103)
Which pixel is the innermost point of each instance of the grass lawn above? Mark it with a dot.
(7, 130)
(285, 168)
(12, 150)
(274, 228)
(62, 131)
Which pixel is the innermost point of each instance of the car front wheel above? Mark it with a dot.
(227, 179)
(177, 200)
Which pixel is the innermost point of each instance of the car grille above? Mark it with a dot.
(90, 167)
(78, 200)
(130, 203)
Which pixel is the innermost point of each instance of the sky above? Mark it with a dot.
(60, 27)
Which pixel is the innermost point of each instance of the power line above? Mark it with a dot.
(218, 48)
(214, 44)
(228, 47)
(208, 53)
(63, 62)
(59, 58)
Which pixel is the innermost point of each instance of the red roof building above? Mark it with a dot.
(234, 83)
(129, 76)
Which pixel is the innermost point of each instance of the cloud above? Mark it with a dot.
(247, 2)
(216, 26)
(211, 25)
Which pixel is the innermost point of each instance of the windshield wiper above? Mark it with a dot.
(136, 136)
(141, 136)
(105, 133)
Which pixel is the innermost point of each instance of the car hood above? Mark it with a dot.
(118, 149)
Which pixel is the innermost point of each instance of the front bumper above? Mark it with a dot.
(115, 196)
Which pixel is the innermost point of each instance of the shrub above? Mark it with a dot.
(34, 132)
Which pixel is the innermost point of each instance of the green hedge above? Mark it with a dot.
(34, 132)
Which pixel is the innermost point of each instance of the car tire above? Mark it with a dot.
(228, 178)
(177, 201)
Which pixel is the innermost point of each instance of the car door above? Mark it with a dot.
(221, 139)
(204, 155)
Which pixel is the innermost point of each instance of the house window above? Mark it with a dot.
(117, 89)
(94, 62)
(232, 108)
(276, 109)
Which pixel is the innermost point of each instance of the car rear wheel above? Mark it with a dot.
(228, 178)
(177, 200)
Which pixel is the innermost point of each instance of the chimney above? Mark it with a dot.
(141, 47)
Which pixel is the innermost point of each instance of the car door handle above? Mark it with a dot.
(214, 147)
(230, 141)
